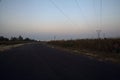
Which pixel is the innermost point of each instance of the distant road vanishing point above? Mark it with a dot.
(39, 62)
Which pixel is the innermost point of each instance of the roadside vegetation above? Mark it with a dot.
(6, 43)
(14, 40)
(108, 48)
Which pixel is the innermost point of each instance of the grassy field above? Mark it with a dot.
(108, 49)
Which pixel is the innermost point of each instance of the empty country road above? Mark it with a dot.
(39, 62)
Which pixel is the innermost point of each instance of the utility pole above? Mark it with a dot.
(104, 36)
(98, 33)
(99, 30)
(54, 38)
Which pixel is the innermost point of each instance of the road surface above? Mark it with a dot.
(39, 62)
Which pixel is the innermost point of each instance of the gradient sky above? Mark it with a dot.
(65, 19)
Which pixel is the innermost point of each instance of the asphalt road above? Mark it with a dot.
(39, 62)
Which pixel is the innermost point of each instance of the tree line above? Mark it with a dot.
(20, 38)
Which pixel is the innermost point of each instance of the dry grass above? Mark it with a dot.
(101, 49)
(101, 45)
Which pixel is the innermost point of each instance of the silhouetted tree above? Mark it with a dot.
(14, 39)
(26, 39)
(3, 38)
(20, 38)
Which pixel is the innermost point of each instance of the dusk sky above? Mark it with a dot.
(65, 19)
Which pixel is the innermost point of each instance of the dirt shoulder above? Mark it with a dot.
(7, 47)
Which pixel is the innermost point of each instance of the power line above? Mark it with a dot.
(99, 18)
(100, 13)
(62, 12)
(80, 9)
(95, 13)
(59, 9)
